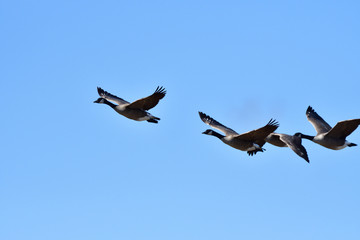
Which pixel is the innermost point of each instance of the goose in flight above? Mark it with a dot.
(136, 110)
(333, 138)
(284, 140)
(243, 142)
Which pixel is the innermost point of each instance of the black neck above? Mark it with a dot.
(109, 103)
(216, 134)
(307, 137)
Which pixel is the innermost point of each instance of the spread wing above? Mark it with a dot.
(274, 139)
(261, 133)
(294, 143)
(150, 101)
(215, 124)
(344, 128)
(318, 122)
(110, 97)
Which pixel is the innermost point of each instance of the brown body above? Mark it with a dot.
(244, 142)
(136, 110)
(332, 138)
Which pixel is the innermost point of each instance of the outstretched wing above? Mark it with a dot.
(318, 122)
(215, 124)
(344, 128)
(110, 97)
(261, 133)
(294, 143)
(150, 101)
(272, 138)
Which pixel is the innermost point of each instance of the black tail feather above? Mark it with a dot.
(153, 120)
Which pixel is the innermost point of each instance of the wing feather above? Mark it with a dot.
(318, 122)
(294, 143)
(110, 97)
(215, 124)
(343, 129)
(261, 133)
(150, 101)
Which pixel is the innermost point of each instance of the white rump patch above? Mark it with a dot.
(144, 118)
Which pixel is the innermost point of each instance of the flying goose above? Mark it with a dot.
(284, 140)
(333, 138)
(136, 110)
(243, 142)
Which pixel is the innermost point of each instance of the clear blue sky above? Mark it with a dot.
(71, 169)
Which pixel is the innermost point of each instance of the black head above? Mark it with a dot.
(213, 133)
(100, 100)
(298, 134)
(208, 132)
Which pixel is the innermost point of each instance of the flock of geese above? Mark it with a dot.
(252, 141)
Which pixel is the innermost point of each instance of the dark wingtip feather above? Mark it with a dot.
(202, 115)
(309, 110)
(273, 122)
(100, 91)
(304, 154)
(205, 118)
(161, 90)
